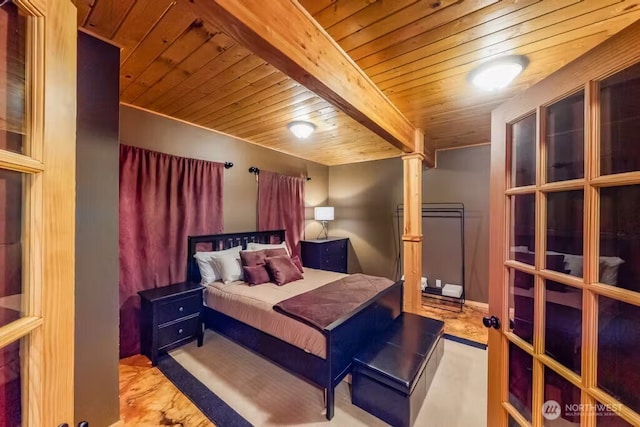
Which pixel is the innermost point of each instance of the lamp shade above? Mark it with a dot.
(323, 213)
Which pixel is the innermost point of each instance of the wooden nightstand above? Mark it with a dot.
(325, 254)
(170, 317)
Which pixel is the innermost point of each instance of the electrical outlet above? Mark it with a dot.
(438, 283)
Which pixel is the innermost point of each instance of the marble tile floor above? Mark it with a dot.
(148, 398)
(466, 324)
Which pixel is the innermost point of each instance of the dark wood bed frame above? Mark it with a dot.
(344, 337)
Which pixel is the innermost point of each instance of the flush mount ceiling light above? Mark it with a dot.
(301, 129)
(498, 73)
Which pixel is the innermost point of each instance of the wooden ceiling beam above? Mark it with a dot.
(285, 35)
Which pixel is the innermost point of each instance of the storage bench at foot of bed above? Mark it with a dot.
(390, 379)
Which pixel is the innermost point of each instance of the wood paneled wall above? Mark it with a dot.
(418, 53)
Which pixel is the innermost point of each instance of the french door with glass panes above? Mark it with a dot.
(564, 348)
(37, 210)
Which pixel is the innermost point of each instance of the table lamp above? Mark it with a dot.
(323, 214)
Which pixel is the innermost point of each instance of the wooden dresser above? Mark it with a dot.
(325, 254)
(170, 317)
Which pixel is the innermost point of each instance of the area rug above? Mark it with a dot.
(235, 387)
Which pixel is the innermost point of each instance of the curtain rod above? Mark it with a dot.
(256, 171)
(228, 165)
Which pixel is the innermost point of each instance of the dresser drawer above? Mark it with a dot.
(335, 246)
(332, 259)
(175, 309)
(337, 265)
(177, 331)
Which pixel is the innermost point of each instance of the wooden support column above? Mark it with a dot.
(412, 235)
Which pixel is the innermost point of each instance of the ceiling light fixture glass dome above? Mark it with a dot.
(498, 73)
(301, 129)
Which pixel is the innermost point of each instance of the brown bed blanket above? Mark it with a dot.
(322, 306)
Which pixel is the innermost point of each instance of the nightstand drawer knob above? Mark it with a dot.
(179, 331)
(181, 309)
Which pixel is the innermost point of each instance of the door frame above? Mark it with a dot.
(618, 52)
(46, 327)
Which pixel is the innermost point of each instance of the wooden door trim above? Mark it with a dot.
(612, 292)
(33, 7)
(624, 411)
(516, 191)
(537, 379)
(58, 186)
(619, 179)
(572, 184)
(517, 416)
(606, 59)
(591, 249)
(516, 340)
(19, 163)
(497, 345)
(18, 329)
(46, 330)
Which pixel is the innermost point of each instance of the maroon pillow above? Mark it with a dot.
(256, 275)
(283, 270)
(296, 261)
(253, 258)
(275, 252)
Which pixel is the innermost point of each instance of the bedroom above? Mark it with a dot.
(330, 184)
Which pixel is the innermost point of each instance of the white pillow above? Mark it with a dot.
(259, 246)
(609, 269)
(573, 263)
(208, 271)
(229, 267)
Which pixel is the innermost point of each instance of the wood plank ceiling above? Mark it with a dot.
(418, 52)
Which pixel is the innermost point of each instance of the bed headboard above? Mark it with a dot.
(218, 242)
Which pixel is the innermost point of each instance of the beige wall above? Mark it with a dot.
(96, 251)
(147, 130)
(365, 196)
(462, 175)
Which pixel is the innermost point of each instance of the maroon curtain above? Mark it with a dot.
(281, 206)
(163, 199)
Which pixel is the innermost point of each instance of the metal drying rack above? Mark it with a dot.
(453, 210)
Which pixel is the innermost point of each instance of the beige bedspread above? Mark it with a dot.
(253, 305)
